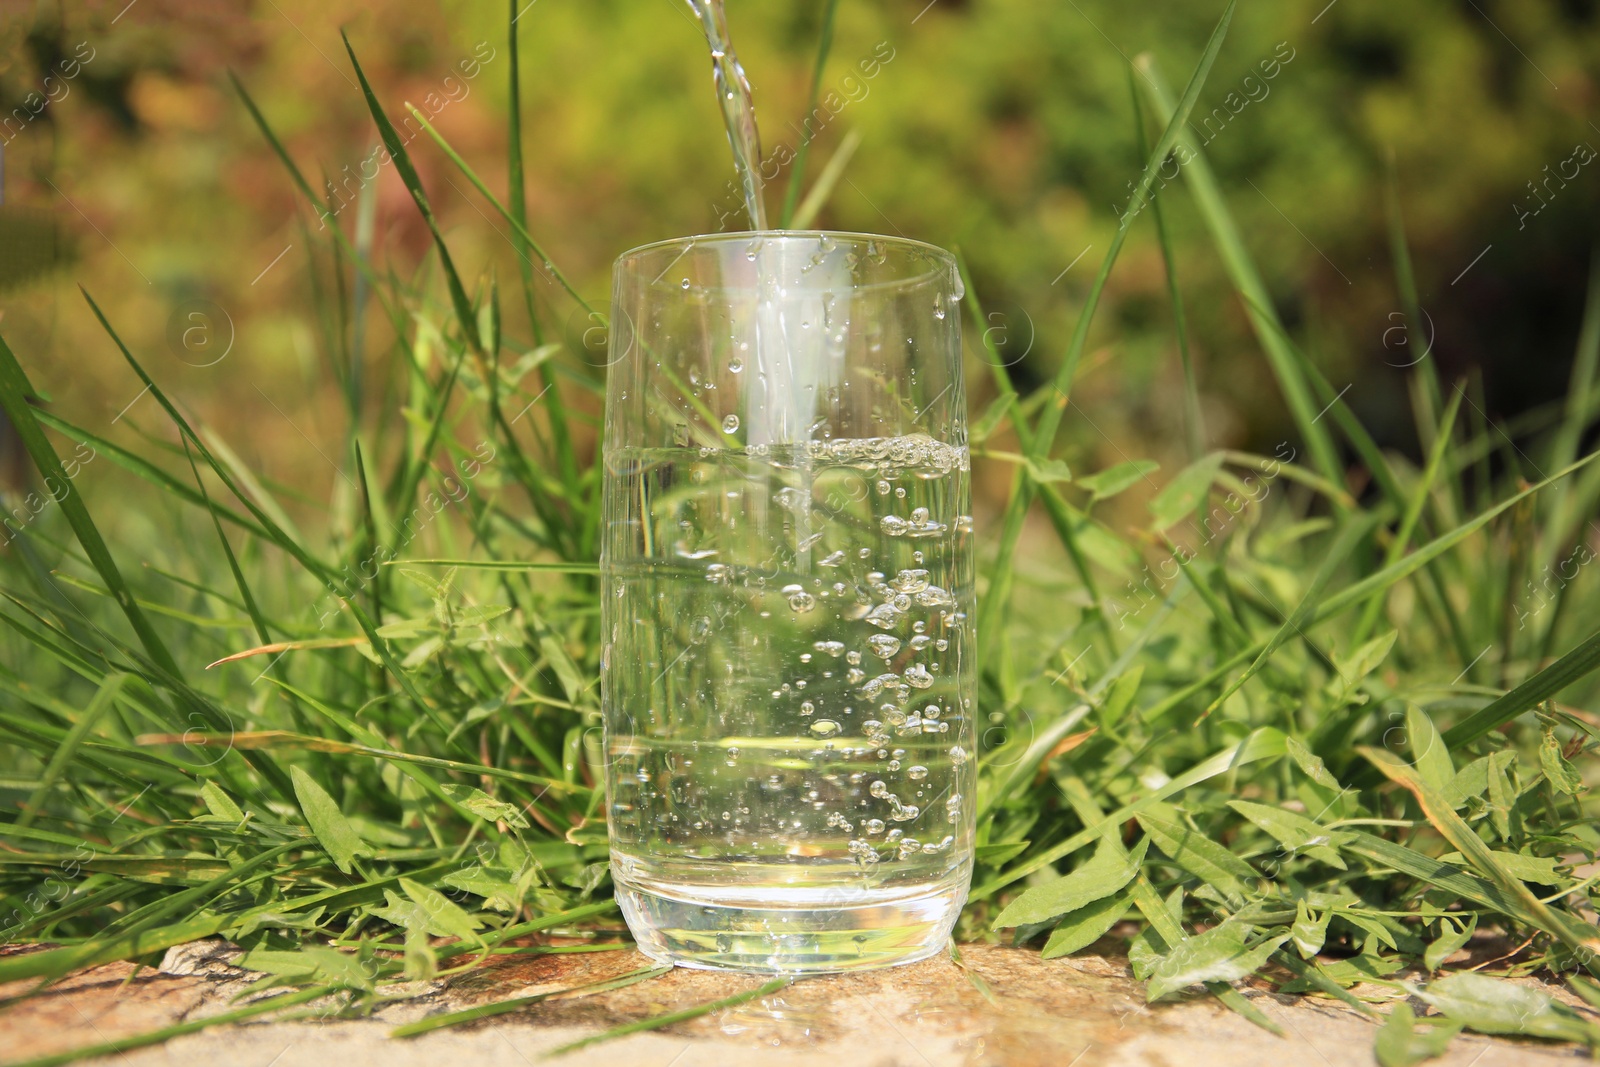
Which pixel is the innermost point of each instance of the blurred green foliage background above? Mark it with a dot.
(1004, 127)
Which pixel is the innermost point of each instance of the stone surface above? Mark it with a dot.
(1002, 1006)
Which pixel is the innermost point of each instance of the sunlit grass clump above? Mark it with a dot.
(1316, 717)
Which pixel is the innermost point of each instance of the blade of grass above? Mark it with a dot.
(166, 1033)
(573, 567)
(657, 1022)
(516, 196)
(817, 196)
(1351, 535)
(797, 171)
(1246, 278)
(1193, 426)
(1408, 521)
(505, 1007)
(1564, 447)
(103, 698)
(1545, 685)
(1406, 280)
(992, 611)
(1264, 743)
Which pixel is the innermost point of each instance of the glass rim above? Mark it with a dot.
(844, 236)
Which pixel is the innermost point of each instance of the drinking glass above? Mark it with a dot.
(787, 568)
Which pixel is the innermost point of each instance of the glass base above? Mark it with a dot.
(790, 930)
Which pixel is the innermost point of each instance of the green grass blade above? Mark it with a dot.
(1579, 412)
(1176, 119)
(1545, 685)
(1345, 543)
(572, 567)
(413, 183)
(92, 712)
(517, 226)
(505, 1007)
(122, 1045)
(1413, 513)
(657, 1022)
(517, 199)
(817, 196)
(1427, 377)
(797, 172)
(1194, 431)
(1247, 280)
(1265, 743)
(15, 394)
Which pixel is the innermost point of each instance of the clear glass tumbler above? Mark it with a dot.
(788, 601)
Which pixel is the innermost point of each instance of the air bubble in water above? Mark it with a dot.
(883, 616)
(686, 283)
(825, 728)
(730, 424)
(807, 708)
(905, 813)
(832, 559)
(800, 601)
(879, 789)
(735, 365)
(958, 755)
(832, 648)
(884, 646)
(874, 826)
(917, 772)
(718, 572)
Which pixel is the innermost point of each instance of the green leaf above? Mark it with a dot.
(1113, 480)
(485, 806)
(566, 671)
(443, 915)
(1218, 955)
(990, 420)
(1539, 869)
(1311, 764)
(496, 885)
(1049, 470)
(1493, 1006)
(1308, 932)
(1202, 857)
(1400, 1043)
(1084, 927)
(334, 832)
(1186, 492)
(1367, 658)
(1452, 937)
(1431, 757)
(1295, 832)
(1561, 775)
(1107, 871)
(220, 804)
(1120, 698)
